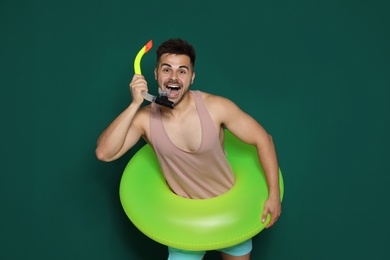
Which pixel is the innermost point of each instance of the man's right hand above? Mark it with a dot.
(137, 85)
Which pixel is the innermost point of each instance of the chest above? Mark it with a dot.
(184, 132)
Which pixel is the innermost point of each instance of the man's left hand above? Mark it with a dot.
(273, 207)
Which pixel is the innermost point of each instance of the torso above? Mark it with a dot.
(183, 130)
(187, 143)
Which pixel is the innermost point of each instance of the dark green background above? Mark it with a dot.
(315, 74)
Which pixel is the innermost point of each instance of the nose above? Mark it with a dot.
(174, 76)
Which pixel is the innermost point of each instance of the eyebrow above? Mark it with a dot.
(180, 67)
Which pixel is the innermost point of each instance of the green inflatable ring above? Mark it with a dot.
(206, 224)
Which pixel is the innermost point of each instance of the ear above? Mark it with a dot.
(155, 73)
(193, 77)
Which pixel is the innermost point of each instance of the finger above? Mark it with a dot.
(138, 83)
(137, 76)
(272, 222)
(264, 216)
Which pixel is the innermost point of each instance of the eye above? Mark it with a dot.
(165, 70)
(182, 72)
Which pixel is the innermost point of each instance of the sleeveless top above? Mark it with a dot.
(202, 174)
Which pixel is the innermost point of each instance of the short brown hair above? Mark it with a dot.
(177, 46)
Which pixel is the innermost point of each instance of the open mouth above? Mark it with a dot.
(173, 90)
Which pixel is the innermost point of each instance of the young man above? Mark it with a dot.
(188, 140)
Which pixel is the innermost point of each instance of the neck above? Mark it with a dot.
(180, 107)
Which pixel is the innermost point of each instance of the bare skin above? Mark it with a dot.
(230, 257)
(183, 125)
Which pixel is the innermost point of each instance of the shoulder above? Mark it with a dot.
(211, 99)
(215, 102)
(220, 108)
(144, 112)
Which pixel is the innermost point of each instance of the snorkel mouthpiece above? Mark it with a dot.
(164, 101)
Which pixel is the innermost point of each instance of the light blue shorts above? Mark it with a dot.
(237, 250)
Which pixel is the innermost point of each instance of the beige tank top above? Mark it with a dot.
(203, 174)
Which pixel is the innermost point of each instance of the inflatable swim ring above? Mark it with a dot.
(206, 224)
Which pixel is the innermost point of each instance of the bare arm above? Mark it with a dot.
(250, 131)
(124, 132)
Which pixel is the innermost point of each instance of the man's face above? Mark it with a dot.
(175, 73)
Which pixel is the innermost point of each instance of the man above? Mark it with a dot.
(188, 140)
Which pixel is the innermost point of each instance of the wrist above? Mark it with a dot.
(274, 195)
(134, 104)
